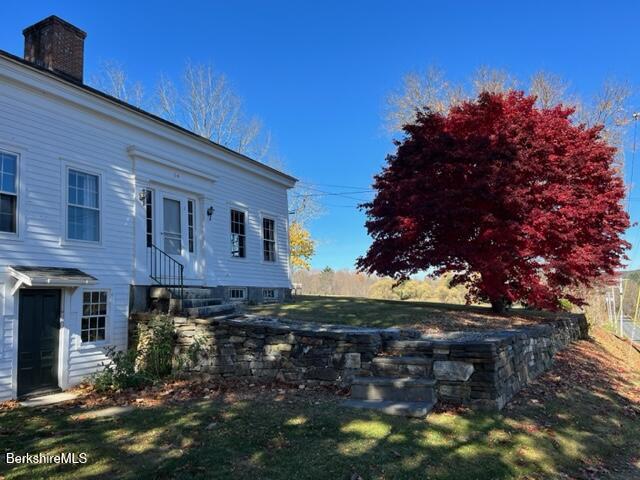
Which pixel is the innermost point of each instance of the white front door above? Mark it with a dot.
(172, 226)
(177, 228)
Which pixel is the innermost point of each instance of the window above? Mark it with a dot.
(94, 316)
(83, 204)
(148, 211)
(269, 239)
(238, 237)
(8, 192)
(269, 294)
(191, 208)
(172, 227)
(237, 294)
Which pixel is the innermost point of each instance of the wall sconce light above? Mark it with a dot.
(210, 211)
(142, 196)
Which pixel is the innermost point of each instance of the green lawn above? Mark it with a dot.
(581, 418)
(368, 312)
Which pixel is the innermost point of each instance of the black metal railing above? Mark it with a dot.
(166, 271)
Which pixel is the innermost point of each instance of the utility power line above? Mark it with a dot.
(313, 184)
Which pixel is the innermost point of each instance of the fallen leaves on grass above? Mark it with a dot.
(587, 364)
(201, 388)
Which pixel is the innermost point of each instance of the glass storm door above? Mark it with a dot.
(172, 226)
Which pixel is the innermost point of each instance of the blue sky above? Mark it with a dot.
(318, 73)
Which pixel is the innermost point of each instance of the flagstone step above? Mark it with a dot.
(405, 389)
(405, 409)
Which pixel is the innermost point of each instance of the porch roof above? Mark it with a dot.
(51, 276)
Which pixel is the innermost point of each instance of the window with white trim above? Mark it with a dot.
(191, 212)
(237, 294)
(8, 192)
(94, 316)
(269, 294)
(83, 206)
(269, 239)
(238, 235)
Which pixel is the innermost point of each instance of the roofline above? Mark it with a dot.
(139, 111)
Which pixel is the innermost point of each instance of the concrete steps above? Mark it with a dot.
(211, 310)
(196, 302)
(194, 293)
(402, 366)
(200, 302)
(403, 409)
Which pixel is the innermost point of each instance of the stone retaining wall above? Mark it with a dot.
(499, 363)
(483, 369)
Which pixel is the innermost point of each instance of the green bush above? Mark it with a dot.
(151, 360)
(120, 372)
(156, 343)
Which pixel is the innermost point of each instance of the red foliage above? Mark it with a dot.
(518, 202)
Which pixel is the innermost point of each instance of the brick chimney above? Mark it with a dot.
(56, 45)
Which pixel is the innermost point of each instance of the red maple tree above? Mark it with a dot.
(518, 202)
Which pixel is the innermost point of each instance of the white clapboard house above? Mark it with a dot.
(101, 204)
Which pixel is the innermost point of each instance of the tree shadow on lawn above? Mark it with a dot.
(580, 418)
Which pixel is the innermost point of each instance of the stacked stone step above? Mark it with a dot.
(406, 396)
(414, 366)
(401, 381)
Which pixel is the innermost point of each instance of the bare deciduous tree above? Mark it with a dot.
(420, 91)
(114, 81)
(167, 98)
(303, 206)
(205, 103)
(549, 89)
(609, 107)
(492, 80)
(431, 90)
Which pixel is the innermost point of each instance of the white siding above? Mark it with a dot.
(51, 126)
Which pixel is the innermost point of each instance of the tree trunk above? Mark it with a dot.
(499, 305)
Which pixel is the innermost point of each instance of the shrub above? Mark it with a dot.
(151, 360)
(120, 372)
(156, 342)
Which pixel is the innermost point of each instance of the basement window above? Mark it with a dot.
(269, 294)
(237, 294)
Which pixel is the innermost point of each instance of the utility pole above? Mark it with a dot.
(621, 288)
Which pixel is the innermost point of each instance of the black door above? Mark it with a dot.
(38, 329)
